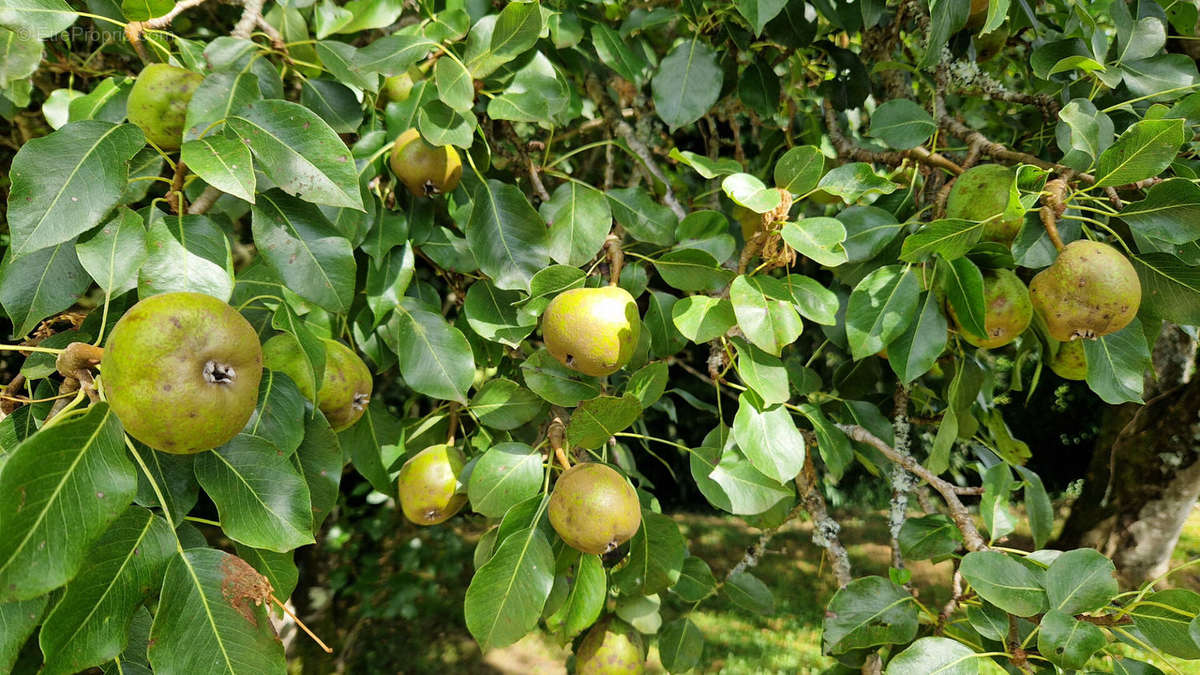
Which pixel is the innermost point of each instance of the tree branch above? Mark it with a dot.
(902, 482)
(949, 492)
(825, 528)
(251, 13)
(846, 148)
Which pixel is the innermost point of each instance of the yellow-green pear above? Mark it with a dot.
(158, 102)
(346, 383)
(1091, 290)
(1069, 361)
(592, 330)
(611, 647)
(425, 169)
(982, 193)
(181, 372)
(1007, 310)
(594, 509)
(428, 485)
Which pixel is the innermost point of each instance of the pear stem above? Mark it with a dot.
(453, 423)
(616, 259)
(76, 357)
(555, 434)
(300, 623)
(1053, 207)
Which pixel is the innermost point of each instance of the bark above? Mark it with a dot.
(1144, 477)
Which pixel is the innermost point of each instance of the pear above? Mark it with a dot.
(346, 383)
(592, 330)
(1007, 308)
(158, 102)
(1069, 361)
(1091, 290)
(594, 509)
(397, 87)
(428, 485)
(981, 193)
(181, 372)
(977, 14)
(425, 169)
(611, 647)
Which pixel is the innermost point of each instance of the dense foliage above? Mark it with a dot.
(832, 219)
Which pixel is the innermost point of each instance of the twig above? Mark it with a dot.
(949, 492)
(846, 148)
(273, 33)
(205, 201)
(902, 483)
(555, 433)
(453, 426)
(300, 623)
(134, 29)
(956, 596)
(175, 198)
(825, 528)
(754, 551)
(1017, 652)
(251, 12)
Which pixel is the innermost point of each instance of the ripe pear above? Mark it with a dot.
(158, 102)
(611, 647)
(1091, 290)
(594, 509)
(1069, 361)
(981, 193)
(345, 385)
(181, 371)
(592, 330)
(1007, 310)
(428, 485)
(425, 169)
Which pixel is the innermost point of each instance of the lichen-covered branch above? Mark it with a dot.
(902, 481)
(958, 512)
(847, 149)
(825, 528)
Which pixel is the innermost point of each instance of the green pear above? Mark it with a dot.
(1007, 310)
(397, 87)
(982, 193)
(158, 102)
(425, 169)
(181, 372)
(592, 330)
(428, 485)
(594, 509)
(1069, 361)
(977, 15)
(611, 647)
(346, 383)
(1091, 290)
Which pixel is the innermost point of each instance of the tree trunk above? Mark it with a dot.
(1144, 477)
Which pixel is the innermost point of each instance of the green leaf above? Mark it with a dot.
(208, 620)
(814, 301)
(680, 645)
(994, 505)
(869, 229)
(507, 236)
(63, 184)
(770, 439)
(299, 152)
(503, 404)
(818, 238)
(701, 318)
(947, 17)
(579, 218)
(219, 94)
(868, 612)
(435, 357)
(757, 13)
(19, 619)
(687, 84)
(321, 462)
(799, 169)
(1080, 581)
(1004, 582)
(43, 17)
(949, 238)
(223, 163)
(963, 283)
(1170, 288)
(1143, 151)
(279, 416)
(1038, 507)
(696, 580)
(505, 598)
(665, 340)
(455, 86)
(333, 102)
(929, 537)
(368, 440)
(1170, 212)
(935, 655)
(750, 593)
(902, 124)
(536, 94)
(505, 475)
(768, 323)
(340, 60)
(831, 442)
(1117, 364)
(22, 53)
(989, 620)
(59, 490)
(648, 383)
(642, 217)
(393, 54)
(36, 286)
(880, 308)
(1066, 642)
(555, 382)
(656, 555)
(113, 254)
(762, 372)
(90, 624)
(854, 181)
(176, 480)
(692, 269)
(261, 497)
(371, 15)
(584, 601)
(731, 483)
(748, 191)
(595, 421)
(616, 54)
(1169, 628)
(305, 249)
(517, 29)
(915, 351)
(1083, 133)
(705, 166)
(492, 315)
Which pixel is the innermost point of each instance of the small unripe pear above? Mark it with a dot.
(592, 330)
(981, 193)
(346, 383)
(1091, 290)
(1069, 361)
(181, 371)
(425, 169)
(594, 509)
(397, 87)
(428, 485)
(1007, 310)
(611, 647)
(158, 102)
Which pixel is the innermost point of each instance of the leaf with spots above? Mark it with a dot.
(223, 162)
(300, 243)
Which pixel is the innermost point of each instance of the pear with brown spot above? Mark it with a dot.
(1090, 291)
(594, 509)
(346, 383)
(611, 647)
(428, 485)
(1007, 310)
(181, 372)
(425, 169)
(592, 330)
